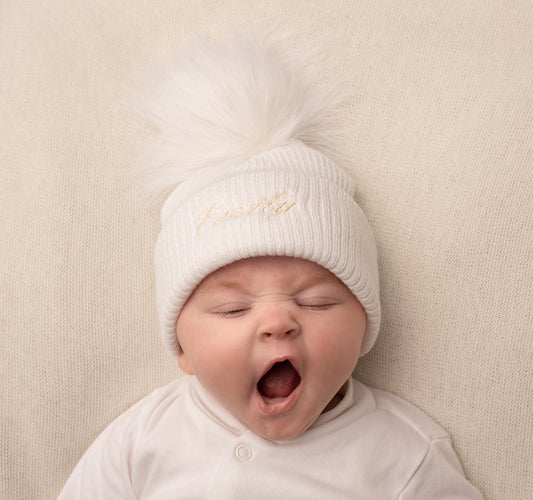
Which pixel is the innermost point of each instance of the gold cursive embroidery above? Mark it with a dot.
(271, 207)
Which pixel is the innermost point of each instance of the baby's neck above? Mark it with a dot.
(336, 399)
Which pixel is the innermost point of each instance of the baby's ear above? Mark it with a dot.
(184, 363)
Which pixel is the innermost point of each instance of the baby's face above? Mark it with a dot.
(273, 339)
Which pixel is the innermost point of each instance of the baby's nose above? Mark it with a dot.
(278, 322)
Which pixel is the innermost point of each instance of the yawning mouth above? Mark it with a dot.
(278, 382)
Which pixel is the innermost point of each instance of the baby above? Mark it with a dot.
(267, 294)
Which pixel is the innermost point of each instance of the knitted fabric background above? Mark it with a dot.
(436, 132)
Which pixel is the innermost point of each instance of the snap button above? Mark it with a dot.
(243, 452)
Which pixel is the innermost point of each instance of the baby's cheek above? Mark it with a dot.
(341, 351)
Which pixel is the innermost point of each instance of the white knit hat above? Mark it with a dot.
(244, 135)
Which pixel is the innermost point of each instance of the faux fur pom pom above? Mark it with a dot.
(220, 103)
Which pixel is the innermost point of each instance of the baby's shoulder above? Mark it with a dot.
(166, 393)
(151, 408)
(406, 454)
(407, 415)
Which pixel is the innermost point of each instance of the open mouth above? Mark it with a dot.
(279, 382)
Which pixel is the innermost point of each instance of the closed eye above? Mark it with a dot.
(317, 306)
(231, 312)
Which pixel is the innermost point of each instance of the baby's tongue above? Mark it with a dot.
(279, 381)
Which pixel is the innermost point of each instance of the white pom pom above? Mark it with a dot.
(220, 103)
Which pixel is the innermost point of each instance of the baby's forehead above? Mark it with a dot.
(281, 270)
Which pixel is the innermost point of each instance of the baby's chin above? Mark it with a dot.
(284, 426)
(281, 431)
